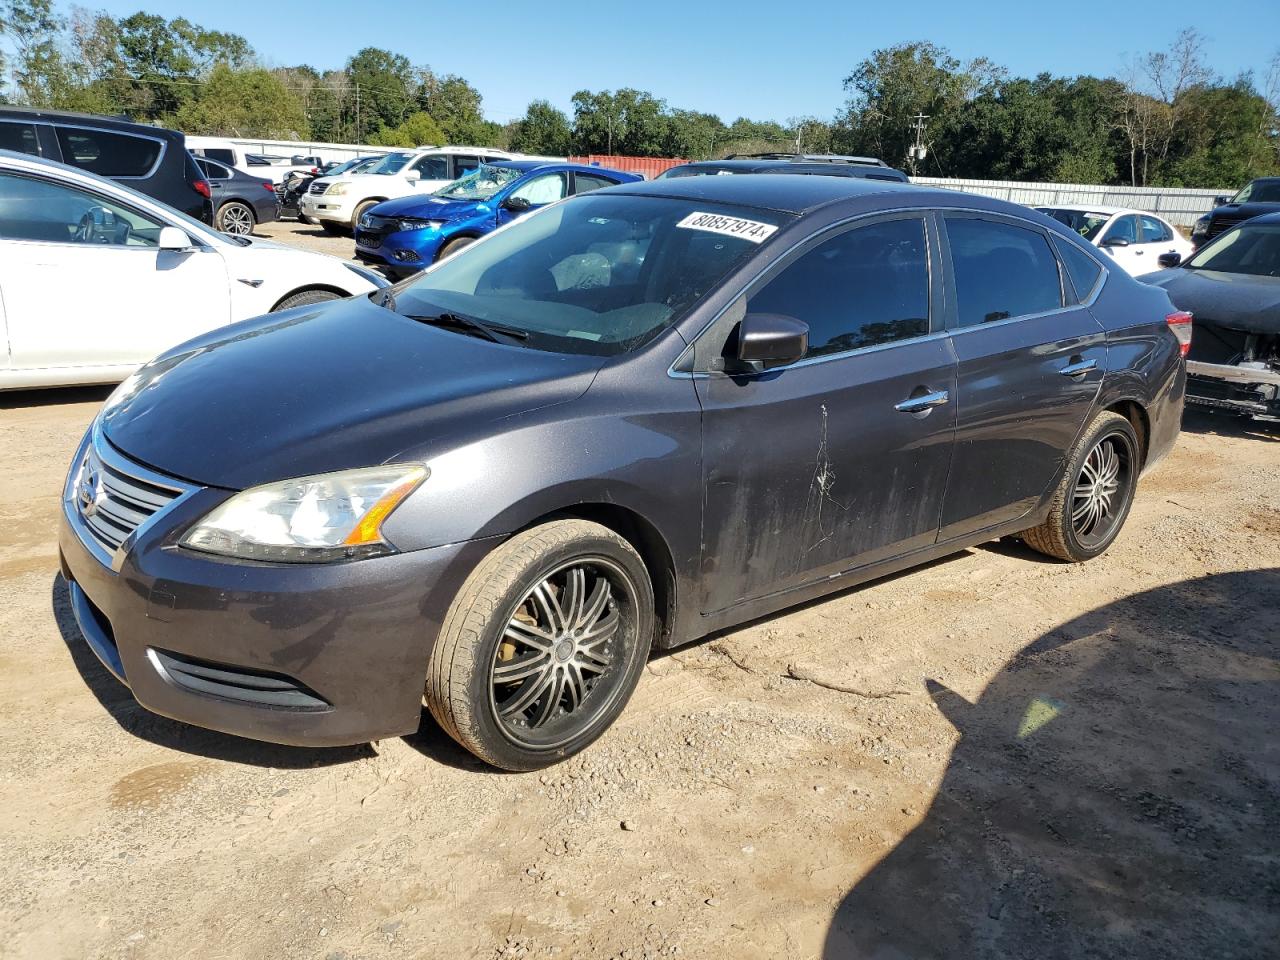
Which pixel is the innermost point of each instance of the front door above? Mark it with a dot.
(534, 193)
(1123, 241)
(813, 468)
(85, 284)
(1029, 370)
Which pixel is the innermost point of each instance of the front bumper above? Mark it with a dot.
(1253, 390)
(403, 252)
(326, 208)
(302, 654)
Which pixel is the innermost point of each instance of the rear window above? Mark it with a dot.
(1001, 271)
(1081, 268)
(109, 153)
(20, 137)
(221, 154)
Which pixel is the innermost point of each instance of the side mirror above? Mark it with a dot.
(1115, 242)
(1221, 201)
(171, 238)
(771, 339)
(1170, 259)
(516, 204)
(413, 176)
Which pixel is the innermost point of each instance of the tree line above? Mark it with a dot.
(1165, 121)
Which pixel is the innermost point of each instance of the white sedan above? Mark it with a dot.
(1135, 239)
(96, 279)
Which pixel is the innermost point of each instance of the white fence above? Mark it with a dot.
(1178, 206)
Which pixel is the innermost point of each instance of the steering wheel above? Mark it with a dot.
(98, 225)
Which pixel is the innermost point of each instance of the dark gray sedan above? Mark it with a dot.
(623, 422)
(240, 201)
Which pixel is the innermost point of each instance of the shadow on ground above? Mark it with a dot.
(1115, 792)
(1229, 425)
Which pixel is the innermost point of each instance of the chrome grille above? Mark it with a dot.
(317, 188)
(111, 497)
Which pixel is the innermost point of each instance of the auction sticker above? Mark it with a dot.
(752, 230)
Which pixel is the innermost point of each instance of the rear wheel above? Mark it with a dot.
(543, 645)
(454, 245)
(1095, 493)
(235, 218)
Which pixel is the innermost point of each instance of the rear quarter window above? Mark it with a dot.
(1082, 270)
(109, 153)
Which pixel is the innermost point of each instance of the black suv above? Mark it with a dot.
(1256, 198)
(823, 164)
(152, 160)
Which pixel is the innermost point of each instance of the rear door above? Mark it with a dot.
(1031, 361)
(84, 283)
(816, 468)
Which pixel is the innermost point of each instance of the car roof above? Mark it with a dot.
(835, 158)
(781, 192)
(89, 119)
(552, 165)
(1264, 218)
(1088, 208)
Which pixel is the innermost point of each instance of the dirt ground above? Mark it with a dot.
(1040, 760)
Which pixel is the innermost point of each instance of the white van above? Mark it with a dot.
(336, 203)
(233, 154)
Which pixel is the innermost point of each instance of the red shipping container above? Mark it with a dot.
(647, 167)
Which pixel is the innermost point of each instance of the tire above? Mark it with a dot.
(305, 297)
(1093, 497)
(360, 211)
(453, 246)
(235, 218)
(331, 228)
(576, 679)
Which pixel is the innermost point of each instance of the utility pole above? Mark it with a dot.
(359, 137)
(917, 152)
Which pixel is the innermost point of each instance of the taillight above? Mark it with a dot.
(202, 187)
(269, 187)
(1180, 324)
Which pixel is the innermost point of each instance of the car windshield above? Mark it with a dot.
(1085, 224)
(596, 274)
(391, 163)
(481, 183)
(1259, 191)
(1252, 249)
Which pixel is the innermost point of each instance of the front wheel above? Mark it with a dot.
(1095, 493)
(543, 645)
(453, 246)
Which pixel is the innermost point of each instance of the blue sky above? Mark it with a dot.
(763, 60)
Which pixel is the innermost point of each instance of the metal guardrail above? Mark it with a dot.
(1179, 206)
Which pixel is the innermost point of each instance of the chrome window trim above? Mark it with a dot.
(164, 146)
(116, 461)
(923, 213)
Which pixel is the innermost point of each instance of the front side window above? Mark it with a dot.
(1001, 271)
(867, 286)
(391, 163)
(19, 137)
(599, 274)
(108, 153)
(1259, 191)
(433, 168)
(43, 211)
(1125, 229)
(221, 154)
(1084, 223)
(1252, 249)
(1155, 231)
(547, 188)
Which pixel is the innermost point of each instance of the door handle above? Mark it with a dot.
(925, 401)
(1079, 368)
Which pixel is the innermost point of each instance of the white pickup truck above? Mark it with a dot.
(336, 203)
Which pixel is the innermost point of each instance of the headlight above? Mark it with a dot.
(333, 516)
(1201, 227)
(337, 189)
(415, 223)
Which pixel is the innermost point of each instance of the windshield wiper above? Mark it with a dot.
(458, 321)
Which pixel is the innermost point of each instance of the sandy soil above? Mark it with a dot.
(1044, 761)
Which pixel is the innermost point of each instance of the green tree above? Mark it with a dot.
(542, 130)
(245, 103)
(692, 135)
(383, 87)
(628, 122)
(418, 130)
(40, 72)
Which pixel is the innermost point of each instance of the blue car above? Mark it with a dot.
(406, 234)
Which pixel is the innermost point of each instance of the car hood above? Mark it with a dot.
(1233, 300)
(428, 207)
(1245, 210)
(322, 388)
